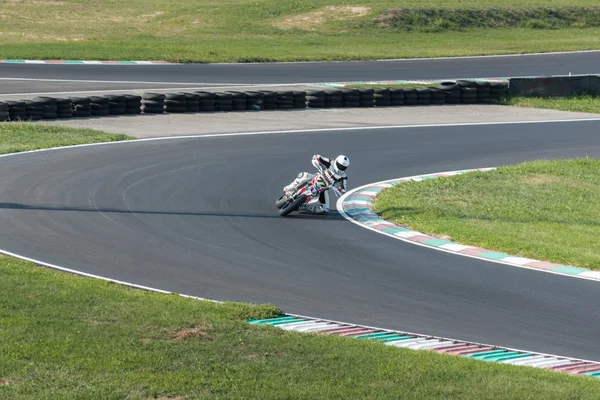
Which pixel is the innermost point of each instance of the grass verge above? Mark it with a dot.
(15, 137)
(273, 30)
(64, 336)
(589, 103)
(546, 210)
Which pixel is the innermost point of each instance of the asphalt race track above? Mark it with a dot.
(196, 216)
(282, 73)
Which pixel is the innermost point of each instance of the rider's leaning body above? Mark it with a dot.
(339, 181)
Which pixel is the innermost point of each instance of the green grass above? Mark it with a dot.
(15, 137)
(546, 210)
(69, 337)
(274, 30)
(589, 103)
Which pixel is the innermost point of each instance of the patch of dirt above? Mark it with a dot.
(39, 3)
(541, 179)
(7, 381)
(255, 356)
(52, 38)
(187, 333)
(312, 20)
(100, 323)
(147, 17)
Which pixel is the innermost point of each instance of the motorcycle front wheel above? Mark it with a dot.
(280, 202)
(293, 206)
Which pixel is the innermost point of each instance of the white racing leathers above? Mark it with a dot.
(320, 204)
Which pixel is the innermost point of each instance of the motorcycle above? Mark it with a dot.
(306, 191)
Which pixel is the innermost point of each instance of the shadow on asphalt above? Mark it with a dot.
(332, 216)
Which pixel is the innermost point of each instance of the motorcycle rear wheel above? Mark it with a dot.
(292, 206)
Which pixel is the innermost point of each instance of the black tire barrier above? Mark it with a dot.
(446, 92)
(223, 101)
(153, 103)
(207, 101)
(193, 102)
(270, 100)
(315, 98)
(153, 96)
(34, 109)
(299, 99)
(49, 107)
(17, 110)
(463, 83)
(238, 100)
(152, 109)
(410, 97)
(175, 103)
(382, 97)
(4, 114)
(333, 99)
(438, 96)
(133, 110)
(366, 97)
(254, 100)
(448, 85)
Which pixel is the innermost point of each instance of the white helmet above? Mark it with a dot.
(340, 163)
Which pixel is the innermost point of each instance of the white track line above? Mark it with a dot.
(352, 128)
(178, 88)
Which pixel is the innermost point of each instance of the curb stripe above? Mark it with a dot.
(474, 351)
(356, 206)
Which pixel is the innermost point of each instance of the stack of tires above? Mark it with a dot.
(99, 106)
(299, 99)
(17, 110)
(498, 89)
(423, 96)
(207, 101)
(382, 97)
(254, 100)
(396, 97)
(468, 92)
(4, 114)
(49, 106)
(269, 100)
(238, 101)
(438, 96)
(223, 101)
(35, 110)
(451, 92)
(315, 98)
(153, 103)
(285, 100)
(410, 96)
(133, 104)
(116, 104)
(64, 108)
(333, 98)
(484, 92)
(192, 104)
(366, 97)
(81, 106)
(351, 97)
(175, 103)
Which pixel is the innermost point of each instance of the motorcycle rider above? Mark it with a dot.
(337, 166)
